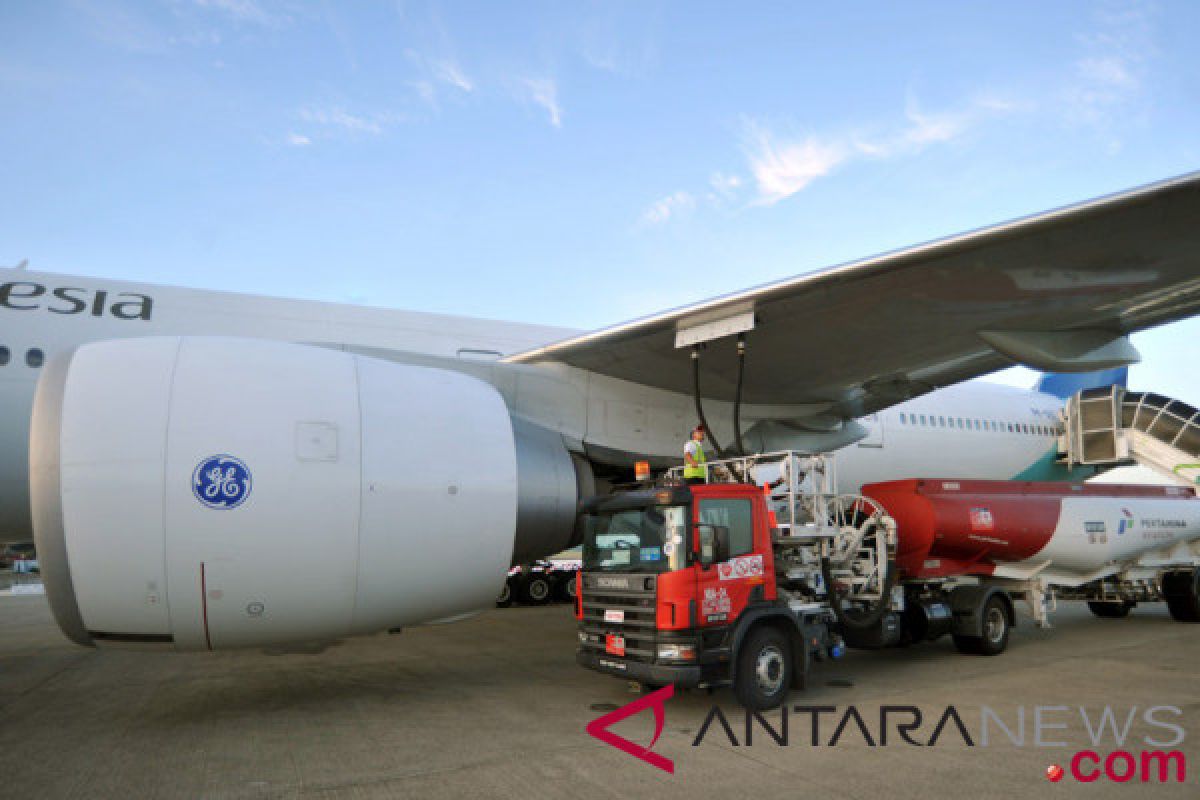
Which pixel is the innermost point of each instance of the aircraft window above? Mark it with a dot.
(34, 358)
(942, 421)
(1010, 427)
(959, 422)
(4, 356)
(922, 419)
(902, 418)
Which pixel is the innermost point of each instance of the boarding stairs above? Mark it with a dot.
(1110, 426)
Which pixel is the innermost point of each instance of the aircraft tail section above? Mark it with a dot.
(1065, 384)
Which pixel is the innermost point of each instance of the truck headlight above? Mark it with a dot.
(677, 652)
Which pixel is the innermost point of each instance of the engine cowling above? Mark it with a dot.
(209, 493)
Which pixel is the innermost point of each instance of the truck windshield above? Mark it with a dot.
(652, 539)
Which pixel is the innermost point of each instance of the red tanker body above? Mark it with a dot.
(967, 527)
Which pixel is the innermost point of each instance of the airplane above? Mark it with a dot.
(181, 456)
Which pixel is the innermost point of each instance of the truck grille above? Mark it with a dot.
(631, 594)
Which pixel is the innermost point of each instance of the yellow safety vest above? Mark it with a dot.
(698, 471)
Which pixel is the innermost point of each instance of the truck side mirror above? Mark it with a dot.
(714, 544)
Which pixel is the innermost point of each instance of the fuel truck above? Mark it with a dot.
(745, 583)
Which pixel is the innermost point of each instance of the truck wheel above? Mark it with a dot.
(505, 598)
(764, 669)
(1181, 590)
(1111, 610)
(996, 628)
(565, 590)
(536, 590)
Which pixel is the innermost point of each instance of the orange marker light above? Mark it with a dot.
(642, 470)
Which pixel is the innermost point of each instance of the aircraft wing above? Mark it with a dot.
(1056, 291)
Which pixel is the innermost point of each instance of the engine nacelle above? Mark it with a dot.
(208, 493)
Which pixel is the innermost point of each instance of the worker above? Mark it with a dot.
(694, 458)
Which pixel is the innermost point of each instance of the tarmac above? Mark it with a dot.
(496, 707)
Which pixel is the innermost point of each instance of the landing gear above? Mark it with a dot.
(1181, 590)
(1116, 609)
(764, 669)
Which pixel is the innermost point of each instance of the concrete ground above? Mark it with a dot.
(495, 707)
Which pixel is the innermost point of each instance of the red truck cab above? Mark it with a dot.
(679, 588)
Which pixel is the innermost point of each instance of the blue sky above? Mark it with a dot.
(570, 163)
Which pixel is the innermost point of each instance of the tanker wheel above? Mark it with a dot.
(1181, 590)
(764, 669)
(996, 627)
(505, 598)
(1111, 610)
(536, 590)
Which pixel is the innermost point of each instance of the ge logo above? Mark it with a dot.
(221, 482)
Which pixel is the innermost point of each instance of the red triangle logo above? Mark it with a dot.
(655, 700)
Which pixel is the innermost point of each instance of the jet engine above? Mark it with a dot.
(215, 493)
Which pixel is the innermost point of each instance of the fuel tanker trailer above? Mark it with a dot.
(1108, 544)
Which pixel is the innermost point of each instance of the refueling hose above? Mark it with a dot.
(853, 617)
(737, 399)
(699, 405)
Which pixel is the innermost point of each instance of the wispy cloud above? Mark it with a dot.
(619, 38)
(246, 11)
(435, 72)
(1105, 83)
(298, 140)
(670, 206)
(725, 185)
(780, 165)
(336, 119)
(450, 73)
(544, 92)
